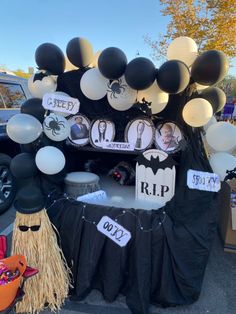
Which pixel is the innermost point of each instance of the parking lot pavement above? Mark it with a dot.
(218, 294)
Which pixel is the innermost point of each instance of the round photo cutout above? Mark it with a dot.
(168, 137)
(102, 131)
(79, 130)
(140, 133)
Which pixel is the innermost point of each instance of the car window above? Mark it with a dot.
(12, 95)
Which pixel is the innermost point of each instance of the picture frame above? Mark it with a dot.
(101, 131)
(80, 126)
(140, 132)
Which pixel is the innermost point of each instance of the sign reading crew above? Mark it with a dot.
(155, 176)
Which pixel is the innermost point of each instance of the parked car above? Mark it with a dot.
(13, 92)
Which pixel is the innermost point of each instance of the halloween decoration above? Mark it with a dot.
(23, 166)
(231, 174)
(35, 238)
(168, 137)
(93, 84)
(101, 131)
(197, 112)
(23, 128)
(56, 127)
(123, 173)
(50, 160)
(215, 96)
(50, 57)
(112, 63)
(140, 132)
(222, 162)
(79, 52)
(40, 84)
(79, 130)
(33, 107)
(173, 77)
(221, 136)
(210, 67)
(120, 96)
(155, 176)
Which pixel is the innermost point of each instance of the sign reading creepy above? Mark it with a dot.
(114, 231)
(61, 103)
(204, 181)
(155, 176)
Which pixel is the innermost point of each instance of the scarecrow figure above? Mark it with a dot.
(34, 237)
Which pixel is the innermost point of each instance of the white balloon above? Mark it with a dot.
(93, 84)
(56, 127)
(197, 112)
(156, 96)
(50, 160)
(220, 162)
(209, 123)
(184, 49)
(120, 95)
(40, 87)
(221, 136)
(63, 114)
(23, 128)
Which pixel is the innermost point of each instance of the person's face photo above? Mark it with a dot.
(167, 137)
(166, 133)
(102, 127)
(78, 120)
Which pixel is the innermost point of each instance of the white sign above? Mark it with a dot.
(204, 181)
(95, 196)
(114, 231)
(61, 103)
(118, 146)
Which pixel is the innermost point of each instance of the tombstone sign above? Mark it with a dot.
(61, 103)
(155, 177)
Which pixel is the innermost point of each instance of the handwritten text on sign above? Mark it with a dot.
(204, 181)
(114, 231)
(61, 103)
(118, 146)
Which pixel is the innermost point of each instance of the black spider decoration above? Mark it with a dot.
(116, 87)
(54, 125)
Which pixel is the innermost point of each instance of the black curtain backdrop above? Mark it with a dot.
(164, 262)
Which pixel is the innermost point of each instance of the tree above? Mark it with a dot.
(21, 73)
(228, 85)
(211, 23)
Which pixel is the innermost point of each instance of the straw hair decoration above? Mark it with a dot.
(51, 285)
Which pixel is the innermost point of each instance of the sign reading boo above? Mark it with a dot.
(61, 103)
(155, 176)
(114, 231)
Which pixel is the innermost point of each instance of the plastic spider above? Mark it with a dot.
(115, 87)
(54, 125)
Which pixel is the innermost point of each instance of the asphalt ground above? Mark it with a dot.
(218, 293)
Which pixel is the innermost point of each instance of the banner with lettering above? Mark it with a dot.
(61, 103)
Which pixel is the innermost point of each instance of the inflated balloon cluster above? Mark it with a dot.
(7, 275)
(109, 74)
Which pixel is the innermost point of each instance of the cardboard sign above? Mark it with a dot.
(114, 231)
(61, 103)
(118, 146)
(155, 177)
(95, 196)
(204, 181)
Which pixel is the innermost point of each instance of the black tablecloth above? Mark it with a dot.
(163, 263)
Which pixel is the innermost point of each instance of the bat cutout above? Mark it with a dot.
(155, 164)
(39, 76)
(231, 174)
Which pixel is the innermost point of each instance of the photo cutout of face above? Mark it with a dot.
(79, 130)
(102, 131)
(140, 132)
(168, 137)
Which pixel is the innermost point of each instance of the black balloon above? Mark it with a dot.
(79, 52)
(215, 96)
(23, 166)
(140, 73)
(33, 106)
(173, 76)
(112, 63)
(50, 57)
(210, 67)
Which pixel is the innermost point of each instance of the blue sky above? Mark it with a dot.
(25, 24)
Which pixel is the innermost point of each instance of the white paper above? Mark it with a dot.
(204, 181)
(114, 231)
(61, 103)
(118, 146)
(94, 196)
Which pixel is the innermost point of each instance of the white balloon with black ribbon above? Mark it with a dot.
(56, 127)
(120, 95)
(41, 83)
(155, 97)
(93, 85)
(50, 160)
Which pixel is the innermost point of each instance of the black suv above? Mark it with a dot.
(13, 92)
